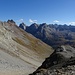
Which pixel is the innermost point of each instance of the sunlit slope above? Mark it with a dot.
(20, 52)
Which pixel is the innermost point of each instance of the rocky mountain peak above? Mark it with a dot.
(34, 26)
(11, 22)
(43, 25)
(23, 26)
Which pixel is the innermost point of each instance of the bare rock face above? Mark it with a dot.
(60, 62)
(32, 29)
(11, 21)
(23, 26)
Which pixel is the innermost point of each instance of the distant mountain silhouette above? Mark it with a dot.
(53, 34)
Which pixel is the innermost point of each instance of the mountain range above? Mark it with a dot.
(52, 34)
(23, 51)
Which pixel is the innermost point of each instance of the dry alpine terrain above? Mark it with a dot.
(20, 52)
(60, 62)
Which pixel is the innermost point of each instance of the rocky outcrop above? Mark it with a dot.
(23, 26)
(60, 62)
(11, 21)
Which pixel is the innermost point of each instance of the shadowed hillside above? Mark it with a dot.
(60, 62)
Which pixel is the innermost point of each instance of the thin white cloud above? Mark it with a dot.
(56, 21)
(20, 20)
(32, 21)
(72, 23)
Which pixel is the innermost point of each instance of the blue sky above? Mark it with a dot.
(39, 11)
